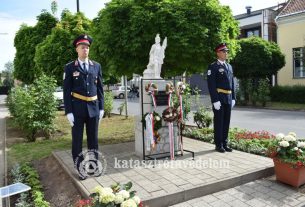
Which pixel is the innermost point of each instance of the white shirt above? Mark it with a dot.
(82, 63)
(224, 64)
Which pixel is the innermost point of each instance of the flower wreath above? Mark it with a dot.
(157, 125)
(170, 114)
(180, 87)
(151, 88)
(157, 121)
(169, 88)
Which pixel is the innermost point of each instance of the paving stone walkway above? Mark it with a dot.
(182, 180)
(259, 193)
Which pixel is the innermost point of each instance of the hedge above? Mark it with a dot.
(289, 94)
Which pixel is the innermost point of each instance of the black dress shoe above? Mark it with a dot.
(82, 177)
(228, 149)
(220, 149)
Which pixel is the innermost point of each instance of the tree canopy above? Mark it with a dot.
(25, 42)
(257, 58)
(125, 30)
(57, 50)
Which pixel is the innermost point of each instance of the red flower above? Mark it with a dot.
(299, 164)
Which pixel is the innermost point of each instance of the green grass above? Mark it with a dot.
(116, 129)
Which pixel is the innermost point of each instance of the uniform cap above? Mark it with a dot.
(221, 47)
(82, 39)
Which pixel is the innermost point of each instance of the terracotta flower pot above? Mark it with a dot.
(285, 173)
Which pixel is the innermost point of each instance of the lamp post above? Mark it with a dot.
(77, 5)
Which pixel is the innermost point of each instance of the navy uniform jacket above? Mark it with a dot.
(85, 83)
(220, 77)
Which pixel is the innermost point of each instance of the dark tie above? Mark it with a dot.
(84, 67)
(226, 66)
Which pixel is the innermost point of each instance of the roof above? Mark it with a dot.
(293, 7)
(257, 12)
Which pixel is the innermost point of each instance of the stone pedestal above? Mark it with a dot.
(163, 145)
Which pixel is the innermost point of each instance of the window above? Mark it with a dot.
(299, 62)
(253, 32)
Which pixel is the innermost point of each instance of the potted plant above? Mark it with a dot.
(288, 154)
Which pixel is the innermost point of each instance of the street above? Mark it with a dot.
(274, 121)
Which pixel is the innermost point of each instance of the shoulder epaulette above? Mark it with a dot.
(69, 63)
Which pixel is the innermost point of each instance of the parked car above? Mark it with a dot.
(59, 95)
(119, 92)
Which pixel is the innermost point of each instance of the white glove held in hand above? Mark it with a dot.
(70, 118)
(217, 105)
(233, 103)
(101, 114)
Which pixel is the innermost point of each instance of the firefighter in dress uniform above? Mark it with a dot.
(84, 103)
(221, 88)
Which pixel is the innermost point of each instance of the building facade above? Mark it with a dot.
(291, 39)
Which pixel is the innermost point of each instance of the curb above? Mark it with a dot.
(83, 191)
(209, 188)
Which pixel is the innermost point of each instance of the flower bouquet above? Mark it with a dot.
(115, 196)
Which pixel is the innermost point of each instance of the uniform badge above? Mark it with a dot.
(209, 72)
(75, 74)
(221, 70)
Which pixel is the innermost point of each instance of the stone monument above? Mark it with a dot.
(156, 56)
(152, 75)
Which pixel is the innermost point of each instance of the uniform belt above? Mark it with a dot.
(219, 90)
(84, 98)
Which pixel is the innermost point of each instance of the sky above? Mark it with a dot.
(15, 12)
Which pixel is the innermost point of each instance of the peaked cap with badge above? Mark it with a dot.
(221, 47)
(82, 39)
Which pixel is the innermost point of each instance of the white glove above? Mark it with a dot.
(101, 115)
(70, 118)
(233, 103)
(217, 105)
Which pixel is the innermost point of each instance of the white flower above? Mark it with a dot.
(124, 193)
(106, 197)
(295, 148)
(280, 136)
(129, 203)
(98, 189)
(292, 134)
(300, 150)
(137, 199)
(284, 143)
(118, 199)
(157, 118)
(301, 144)
(290, 138)
(108, 190)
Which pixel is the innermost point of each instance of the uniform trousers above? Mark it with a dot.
(221, 125)
(92, 124)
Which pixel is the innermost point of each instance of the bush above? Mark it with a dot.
(202, 118)
(290, 94)
(108, 103)
(34, 107)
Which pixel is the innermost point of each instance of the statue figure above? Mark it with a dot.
(156, 56)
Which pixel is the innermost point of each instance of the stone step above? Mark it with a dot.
(163, 185)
